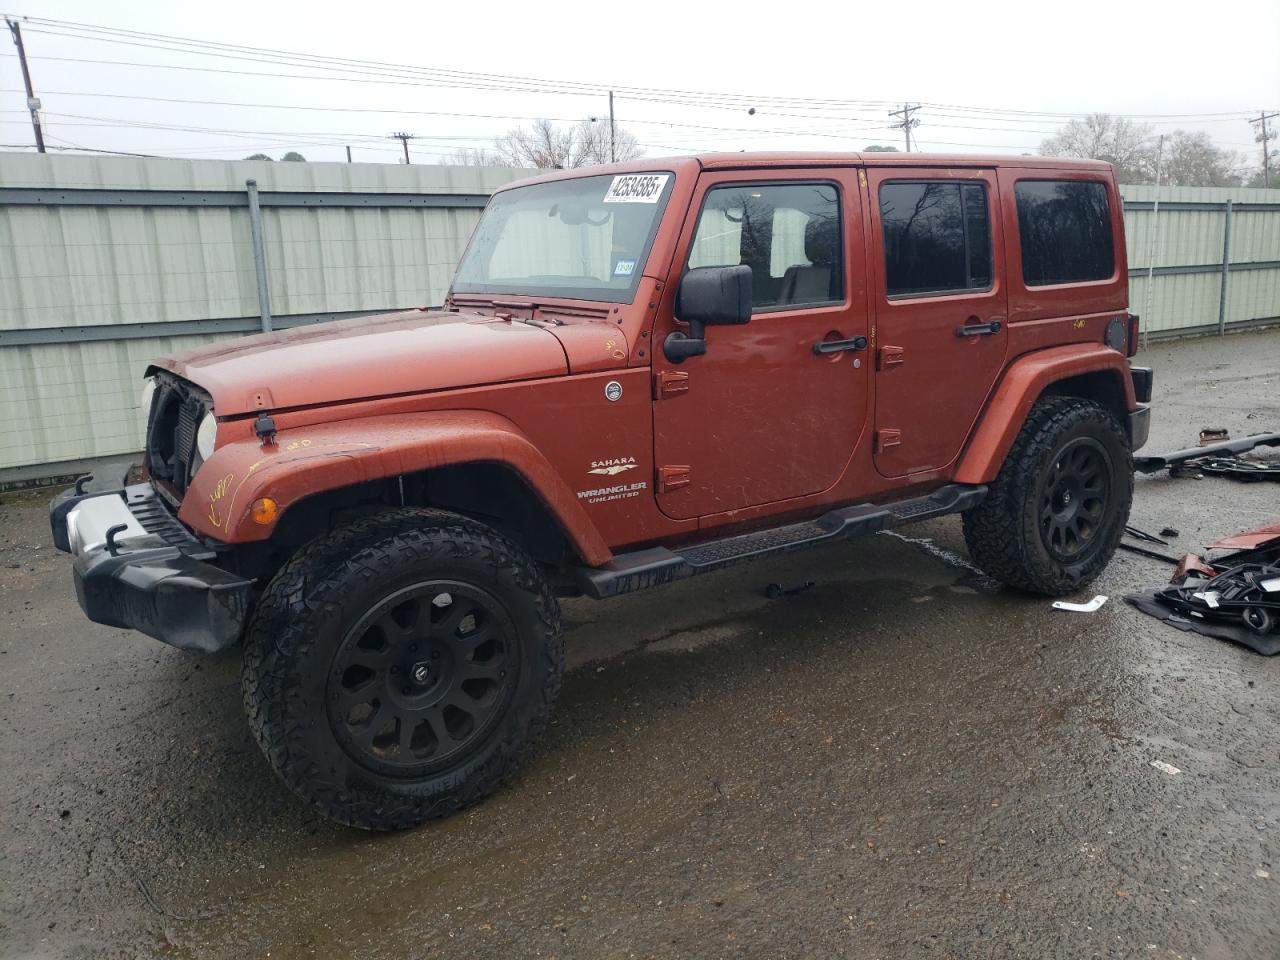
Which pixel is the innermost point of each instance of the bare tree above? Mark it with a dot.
(474, 157)
(1124, 144)
(1191, 160)
(545, 146)
(593, 146)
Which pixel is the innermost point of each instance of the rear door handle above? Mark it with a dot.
(836, 346)
(978, 329)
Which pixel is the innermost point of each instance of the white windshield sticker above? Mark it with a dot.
(636, 188)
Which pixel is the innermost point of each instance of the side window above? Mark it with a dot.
(937, 237)
(1065, 231)
(788, 234)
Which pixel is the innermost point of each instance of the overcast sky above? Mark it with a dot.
(819, 77)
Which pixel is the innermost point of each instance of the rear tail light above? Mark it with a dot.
(1131, 340)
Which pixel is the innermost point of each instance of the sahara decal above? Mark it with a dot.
(611, 468)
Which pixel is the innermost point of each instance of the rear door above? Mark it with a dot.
(941, 326)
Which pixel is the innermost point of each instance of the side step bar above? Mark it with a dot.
(628, 572)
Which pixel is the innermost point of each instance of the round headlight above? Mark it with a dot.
(207, 436)
(148, 394)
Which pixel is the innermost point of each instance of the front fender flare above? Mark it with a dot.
(308, 460)
(1022, 385)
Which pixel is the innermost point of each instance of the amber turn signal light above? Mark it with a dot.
(264, 510)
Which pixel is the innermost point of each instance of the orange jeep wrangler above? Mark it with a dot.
(384, 510)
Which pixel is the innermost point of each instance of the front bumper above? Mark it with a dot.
(138, 568)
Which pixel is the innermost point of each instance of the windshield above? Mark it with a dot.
(585, 239)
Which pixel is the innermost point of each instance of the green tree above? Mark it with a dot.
(294, 157)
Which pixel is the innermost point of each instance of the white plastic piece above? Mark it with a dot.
(1089, 607)
(1210, 598)
(1270, 586)
(1168, 768)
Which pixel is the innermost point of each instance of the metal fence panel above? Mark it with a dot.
(165, 244)
(159, 258)
(1183, 241)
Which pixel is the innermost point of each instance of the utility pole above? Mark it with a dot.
(1263, 117)
(404, 138)
(908, 123)
(33, 104)
(613, 148)
(348, 153)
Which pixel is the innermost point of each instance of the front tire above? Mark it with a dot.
(1054, 515)
(396, 669)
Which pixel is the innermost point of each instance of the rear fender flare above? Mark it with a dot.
(308, 460)
(1023, 384)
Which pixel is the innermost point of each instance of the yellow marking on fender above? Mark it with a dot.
(220, 491)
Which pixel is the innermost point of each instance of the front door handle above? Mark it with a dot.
(978, 329)
(836, 346)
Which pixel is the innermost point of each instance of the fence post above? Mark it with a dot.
(259, 254)
(1226, 271)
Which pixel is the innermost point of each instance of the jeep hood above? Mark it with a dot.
(398, 353)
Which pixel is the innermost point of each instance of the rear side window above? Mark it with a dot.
(937, 237)
(1065, 228)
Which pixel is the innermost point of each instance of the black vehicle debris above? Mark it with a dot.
(1220, 453)
(1235, 597)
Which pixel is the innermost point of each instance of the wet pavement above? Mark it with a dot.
(903, 761)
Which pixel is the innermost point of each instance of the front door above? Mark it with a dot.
(941, 315)
(762, 416)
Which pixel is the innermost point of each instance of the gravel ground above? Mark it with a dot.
(903, 761)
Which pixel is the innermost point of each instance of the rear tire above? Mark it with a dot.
(1054, 515)
(396, 669)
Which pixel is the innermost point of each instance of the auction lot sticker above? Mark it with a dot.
(636, 188)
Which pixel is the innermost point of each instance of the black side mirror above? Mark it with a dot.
(708, 296)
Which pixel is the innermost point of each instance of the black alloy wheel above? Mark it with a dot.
(1054, 514)
(1074, 496)
(399, 667)
(421, 678)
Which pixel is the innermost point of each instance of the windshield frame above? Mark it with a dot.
(614, 295)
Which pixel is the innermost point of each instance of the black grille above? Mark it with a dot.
(158, 520)
(175, 417)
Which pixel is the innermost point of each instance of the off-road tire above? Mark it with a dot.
(1004, 532)
(308, 612)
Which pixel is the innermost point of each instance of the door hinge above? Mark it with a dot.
(672, 478)
(889, 357)
(887, 438)
(669, 383)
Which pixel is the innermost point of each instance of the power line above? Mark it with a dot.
(501, 82)
(817, 111)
